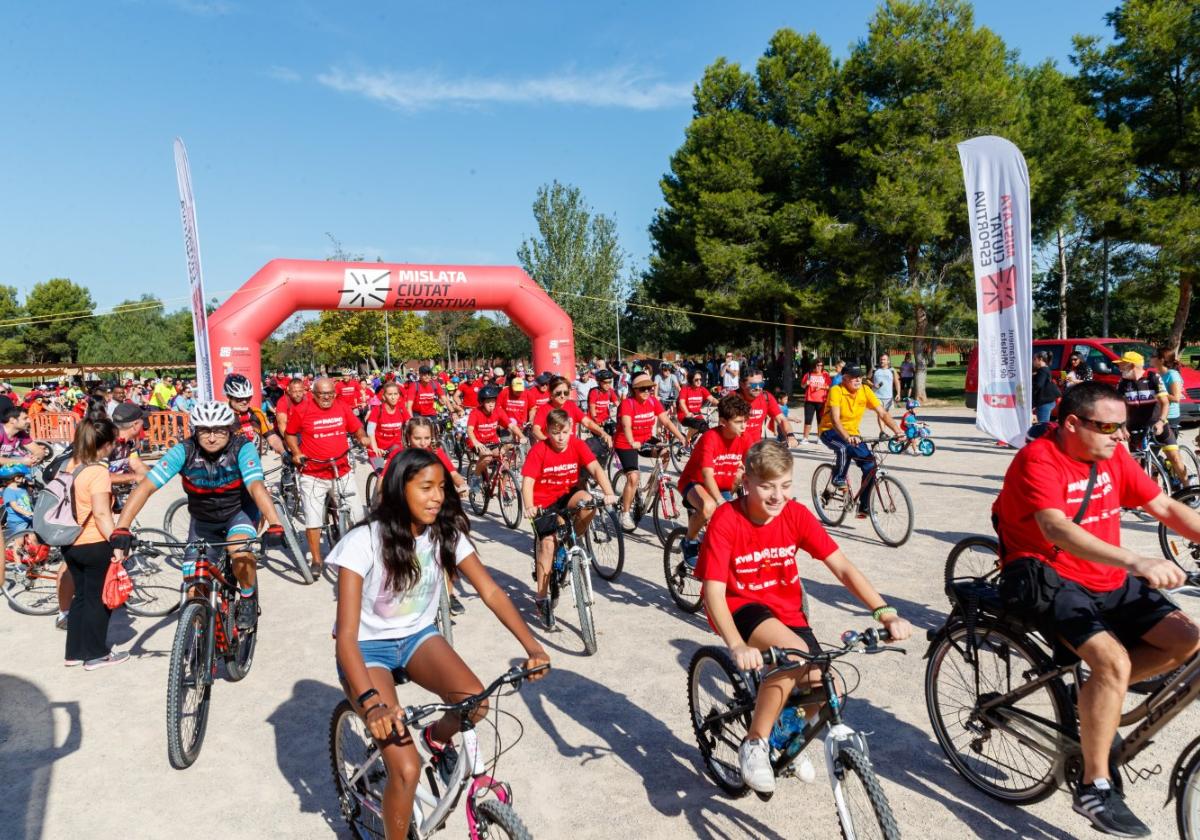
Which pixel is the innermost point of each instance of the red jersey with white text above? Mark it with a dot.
(602, 405)
(643, 415)
(572, 409)
(470, 394)
(723, 457)
(423, 395)
(1043, 477)
(536, 398)
(389, 424)
(347, 391)
(323, 434)
(515, 405)
(555, 473)
(757, 563)
(761, 407)
(486, 425)
(691, 400)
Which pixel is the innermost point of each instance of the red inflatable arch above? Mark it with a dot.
(238, 328)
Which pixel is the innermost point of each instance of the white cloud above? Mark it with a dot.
(616, 88)
(283, 74)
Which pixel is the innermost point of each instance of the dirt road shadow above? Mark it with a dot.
(28, 752)
(302, 747)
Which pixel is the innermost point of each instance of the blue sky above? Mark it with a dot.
(416, 132)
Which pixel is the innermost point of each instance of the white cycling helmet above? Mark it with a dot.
(238, 387)
(499, 371)
(211, 415)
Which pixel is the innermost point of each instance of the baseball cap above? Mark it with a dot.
(424, 369)
(542, 379)
(1129, 357)
(851, 372)
(126, 413)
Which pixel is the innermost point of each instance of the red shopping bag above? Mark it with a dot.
(117, 586)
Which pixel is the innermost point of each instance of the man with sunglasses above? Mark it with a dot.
(636, 418)
(762, 406)
(222, 477)
(1058, 517)
(316, 437)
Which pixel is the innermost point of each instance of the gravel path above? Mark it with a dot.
(607, 748)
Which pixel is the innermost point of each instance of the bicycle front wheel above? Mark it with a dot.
(587, 627)
(509, 493)
(829, 502)
(31, 581)
(155, 574)
(445, 624)
(989, 757)
(497, 819)
(606, 544)
(669, 512)
(891, 511)
(862, 807)
(678, 454)
(350, 747)
(1187, 796)
(686, 590)
(1191, 465)
(974, 557)
(1175, 547)
(189, 686)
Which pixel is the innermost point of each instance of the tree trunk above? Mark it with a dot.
(1062, 287)
(789, 356)
(1187, 279)
(921, 316)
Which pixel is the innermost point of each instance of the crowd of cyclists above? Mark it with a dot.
(1058, 521)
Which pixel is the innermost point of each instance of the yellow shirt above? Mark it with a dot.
(162, 396)
(853, 407)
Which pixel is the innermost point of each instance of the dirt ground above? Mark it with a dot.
(607, 748)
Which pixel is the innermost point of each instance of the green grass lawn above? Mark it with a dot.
(946, 382)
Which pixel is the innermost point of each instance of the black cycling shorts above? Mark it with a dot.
(546, 524)
(697, 423)
(1129, 612)
(628, 459)
(748, 617)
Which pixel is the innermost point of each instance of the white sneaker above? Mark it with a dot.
(754, 760)
(627, 521)
(805, 771)
(470, 741)
(802, 442)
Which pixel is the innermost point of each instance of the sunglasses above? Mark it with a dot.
(560, 393)
(1103, 428)
(320, 394)
(756, 386)
(643, 388)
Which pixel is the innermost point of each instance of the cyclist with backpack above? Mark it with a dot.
(251, 421)
(222, 476)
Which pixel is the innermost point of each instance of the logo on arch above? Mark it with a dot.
(365, 289)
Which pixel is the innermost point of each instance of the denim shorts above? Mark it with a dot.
(391, 654)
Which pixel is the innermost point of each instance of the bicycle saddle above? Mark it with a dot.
(399, 675)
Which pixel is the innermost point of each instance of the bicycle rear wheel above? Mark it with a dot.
(445, 624)
(974, 557)
(237, 665)
(155, 573)
(351, 746)
(634, 512)
(678, 454)
(509, 494)
(189, 686)
(176, 521)
(685, 588)
(1191, 464)
(1178, 548)
(668, 512)
(830, 503)
(31, 583)
(606, 544)
(579, 587)
(720, 707)
(372, 484)
(1186, 787)
(862, 807)
(497, 819)
(988, 757)
(891, 511)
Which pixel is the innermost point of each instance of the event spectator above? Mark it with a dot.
(838, 366)
(184, 401)
(885, 382)
(908, 373)
(163, 393)
(1077, 371)
(730, 373)
(1167, 365)
(816, 384)
(116, 398)
(89, 556)
(583, 385)
(1045, 391)
(666, 385)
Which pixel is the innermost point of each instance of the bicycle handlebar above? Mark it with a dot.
(871, 640)
(413, 715)
(197, 543)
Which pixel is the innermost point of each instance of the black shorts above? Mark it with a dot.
(1129, 612)
(1166, 437)
(697, 423)
(628, 459)
(546, 524)
(597, 446)
(748, 617)
(812, 411)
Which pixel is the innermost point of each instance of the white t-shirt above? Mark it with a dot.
(384, 613)
(730, 374)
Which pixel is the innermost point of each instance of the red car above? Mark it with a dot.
(1101, 354)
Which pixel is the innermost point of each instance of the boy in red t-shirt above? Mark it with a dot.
(753, 594)
(714, 469)
(552, 483)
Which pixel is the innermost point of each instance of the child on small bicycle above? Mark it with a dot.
(552, 483)
(913, 428)
(389, 572)
(753, 594)
(714, 469)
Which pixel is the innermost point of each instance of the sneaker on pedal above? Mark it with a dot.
(691, 551)
(246, 613)
(443, 757)
(627, 521)
(1107, 810)
(456, 606)
(754, 761)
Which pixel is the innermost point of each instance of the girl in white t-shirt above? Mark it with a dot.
(389, 583)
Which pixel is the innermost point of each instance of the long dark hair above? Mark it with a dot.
(390, 510)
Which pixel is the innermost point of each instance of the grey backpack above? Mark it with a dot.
(54, 518)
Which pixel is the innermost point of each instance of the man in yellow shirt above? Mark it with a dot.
(163, 393)
(844, 410)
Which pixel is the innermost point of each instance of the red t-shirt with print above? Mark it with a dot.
(422, 396)
(691, 400)
(470, 394)
(323, 434)
(555, 473)
(643, 415)
(723, 457)
(761, 407)
(1043, 477)
(757, 563)
(515, 405)
(572, 409)
(603, 404)
(389, 424)
(485, 426)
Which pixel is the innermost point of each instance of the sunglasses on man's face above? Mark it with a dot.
(755, 386)
(1102, 426)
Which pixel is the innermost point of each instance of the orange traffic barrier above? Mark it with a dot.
(56, 426)
(167, 428)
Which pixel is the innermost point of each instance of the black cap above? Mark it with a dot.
(126, 413)
(424, 369)
(543, 379)
(851, 372)
(604, 374)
